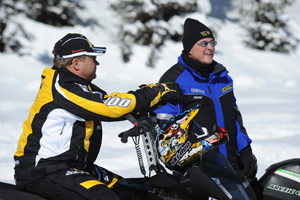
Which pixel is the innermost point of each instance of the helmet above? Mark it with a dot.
(181, 140)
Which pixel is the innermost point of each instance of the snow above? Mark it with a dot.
(267, 87)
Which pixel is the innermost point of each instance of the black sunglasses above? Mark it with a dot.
(212, 43)
(93, 58)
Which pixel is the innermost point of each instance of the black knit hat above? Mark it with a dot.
(193, 31)
(74, 44)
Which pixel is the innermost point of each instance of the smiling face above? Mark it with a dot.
(203, 54)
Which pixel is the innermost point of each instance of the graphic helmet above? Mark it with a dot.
(181, 140)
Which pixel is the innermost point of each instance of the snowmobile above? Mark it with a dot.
(184, 165)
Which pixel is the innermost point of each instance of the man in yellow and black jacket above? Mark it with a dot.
(62, 136)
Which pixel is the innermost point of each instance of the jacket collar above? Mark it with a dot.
(200, 68)
(71, 77)
(196, 65)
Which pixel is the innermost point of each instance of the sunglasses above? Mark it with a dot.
(212, 43)
(93, 59)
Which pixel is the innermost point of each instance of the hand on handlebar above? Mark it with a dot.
(170, 92)
(141, 126)
(135, 131)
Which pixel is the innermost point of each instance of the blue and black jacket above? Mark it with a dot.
(215, 95)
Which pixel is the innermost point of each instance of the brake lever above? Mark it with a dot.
(132, 119)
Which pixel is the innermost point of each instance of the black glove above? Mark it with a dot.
(170, 93)
(150, 97)
(247, 163)
(142, 125)
(134, 131)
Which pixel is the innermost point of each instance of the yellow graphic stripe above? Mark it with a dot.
(90, 183)
(100, 108)
(160, 94)
(115, 179)
(44, 96)
(89, 127)
(155, 100)
(190, 116)
(89, 87)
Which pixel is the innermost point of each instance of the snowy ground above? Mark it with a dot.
(267, 88)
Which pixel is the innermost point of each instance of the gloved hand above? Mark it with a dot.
(247, 163)
(170, 92)
(134, 131)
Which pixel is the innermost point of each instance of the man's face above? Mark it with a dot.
(88, 67)
(202, 53)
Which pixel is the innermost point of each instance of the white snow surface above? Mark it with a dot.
(267, 87)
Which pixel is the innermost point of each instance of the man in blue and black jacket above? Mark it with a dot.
(207, 82)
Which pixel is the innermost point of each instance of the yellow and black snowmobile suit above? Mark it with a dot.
(63, 128)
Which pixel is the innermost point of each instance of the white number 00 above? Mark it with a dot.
(117, 101)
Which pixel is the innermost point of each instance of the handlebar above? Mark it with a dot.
(141, 127)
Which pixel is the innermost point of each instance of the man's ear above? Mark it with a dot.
(75, 64)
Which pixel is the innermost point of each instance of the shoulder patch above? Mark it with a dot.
(228, 87)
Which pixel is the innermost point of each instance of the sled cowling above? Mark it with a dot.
(282, 181)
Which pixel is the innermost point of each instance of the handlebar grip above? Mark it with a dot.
(132, 119)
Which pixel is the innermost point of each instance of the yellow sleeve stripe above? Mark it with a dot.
(112, 111)
(90, 183)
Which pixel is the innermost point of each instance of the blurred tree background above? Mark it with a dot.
(266, 25)
(152, 23)
(52, 12)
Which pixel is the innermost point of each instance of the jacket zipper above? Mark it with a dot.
(209, 89)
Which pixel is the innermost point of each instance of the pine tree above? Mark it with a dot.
(150, 23)
(266, 25)
(10, 29)
(53, 12)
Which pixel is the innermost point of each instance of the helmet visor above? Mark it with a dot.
(198, 131)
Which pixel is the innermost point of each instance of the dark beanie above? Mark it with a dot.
(193, 31)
